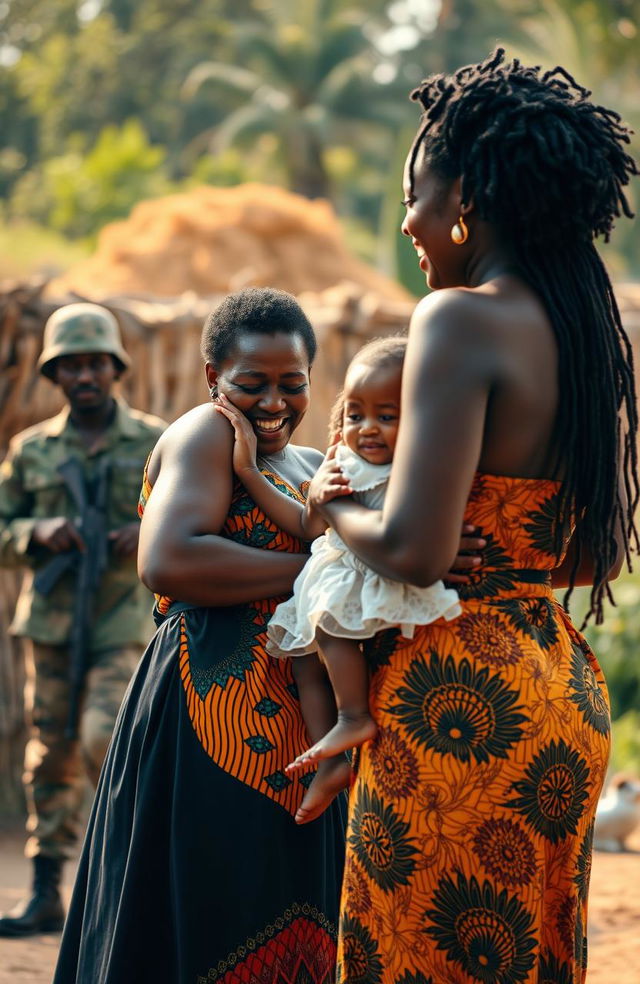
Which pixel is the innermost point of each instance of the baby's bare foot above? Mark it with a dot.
(349, 732)
(332, 777)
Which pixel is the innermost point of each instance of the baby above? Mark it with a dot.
(337, 600)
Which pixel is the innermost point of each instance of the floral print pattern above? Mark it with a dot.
(471, 812)
(487, 932)
(505, 851)
(458, 710)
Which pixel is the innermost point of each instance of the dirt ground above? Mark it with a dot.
(614, 932)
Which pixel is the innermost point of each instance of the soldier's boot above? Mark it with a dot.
(42, 912)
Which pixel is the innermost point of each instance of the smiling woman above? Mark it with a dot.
(193, 868)
(269, 387)
(516, 363)
(268, 383)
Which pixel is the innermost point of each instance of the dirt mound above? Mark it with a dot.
(215, 240)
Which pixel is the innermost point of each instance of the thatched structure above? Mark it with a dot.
(163, 338)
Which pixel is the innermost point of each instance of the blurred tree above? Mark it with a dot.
(80, 191)
(70, 83)
(80, 66)
(317, 90)
(305, 73)
(19, 135)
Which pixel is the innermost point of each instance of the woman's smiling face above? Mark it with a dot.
(266, 376)
(432, 208)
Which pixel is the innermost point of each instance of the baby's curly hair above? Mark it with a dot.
(382, 352)
(546, 167)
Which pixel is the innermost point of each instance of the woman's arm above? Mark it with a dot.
(451, 364)
(281, 509)
(180, 554)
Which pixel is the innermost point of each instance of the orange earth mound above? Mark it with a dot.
(215, 240)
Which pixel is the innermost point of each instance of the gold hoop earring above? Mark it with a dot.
(459, 233)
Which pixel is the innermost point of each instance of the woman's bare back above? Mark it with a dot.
(522, 407)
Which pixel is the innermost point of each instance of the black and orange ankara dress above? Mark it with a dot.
(471, 817)
(193, 869)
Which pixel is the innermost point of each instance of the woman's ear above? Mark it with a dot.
(212, 380)
(461, 207)
(211, 374)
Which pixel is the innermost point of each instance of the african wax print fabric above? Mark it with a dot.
(193, 869)
(471, 817)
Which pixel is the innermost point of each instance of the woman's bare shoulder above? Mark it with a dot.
(460, 309)
(452, 332)
(484, 324)
(197, 436)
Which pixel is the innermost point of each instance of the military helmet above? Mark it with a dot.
(80, 328)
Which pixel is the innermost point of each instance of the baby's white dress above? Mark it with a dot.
(341, 595)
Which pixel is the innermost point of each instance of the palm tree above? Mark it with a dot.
(307, 78)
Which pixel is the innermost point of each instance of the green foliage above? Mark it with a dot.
(625, 751)
(312, 95)
(77, 193)
(617, 643)
(67, 91)
(226, 169)
(27, 249)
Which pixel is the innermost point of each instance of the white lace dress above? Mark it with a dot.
(338, 593)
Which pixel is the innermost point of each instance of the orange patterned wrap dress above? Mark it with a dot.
(471, 814)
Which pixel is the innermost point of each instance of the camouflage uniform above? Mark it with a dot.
(32, 489)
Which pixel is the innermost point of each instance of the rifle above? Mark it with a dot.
(89, 567)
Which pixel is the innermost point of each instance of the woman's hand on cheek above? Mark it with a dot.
(245, 446)
(328, 482)
(469, 556)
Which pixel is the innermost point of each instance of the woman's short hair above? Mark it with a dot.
(254, 311)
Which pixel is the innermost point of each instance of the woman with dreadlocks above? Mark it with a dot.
(471, 816)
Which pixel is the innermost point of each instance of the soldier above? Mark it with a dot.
(83, 355)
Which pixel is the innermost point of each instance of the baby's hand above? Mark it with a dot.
(245, 446)
(328, 482)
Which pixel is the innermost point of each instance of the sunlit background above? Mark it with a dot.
(105, 104)
(109, 102)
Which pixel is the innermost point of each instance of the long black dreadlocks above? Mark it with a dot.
(547, 167)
